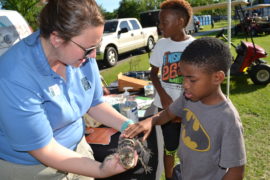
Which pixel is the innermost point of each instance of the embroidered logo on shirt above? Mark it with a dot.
(85, 83)
(193, 134)
(54, 90)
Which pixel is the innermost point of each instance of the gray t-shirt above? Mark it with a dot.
(211, 139)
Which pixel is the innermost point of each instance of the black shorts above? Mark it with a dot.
(177, 173)
(171, 135)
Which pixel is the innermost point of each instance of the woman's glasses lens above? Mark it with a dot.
(86, 51)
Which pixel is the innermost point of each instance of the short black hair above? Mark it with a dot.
(210, 54)
(181, 7)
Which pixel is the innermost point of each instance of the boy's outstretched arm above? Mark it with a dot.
(165, 99)
(235, 173)
(145, 126)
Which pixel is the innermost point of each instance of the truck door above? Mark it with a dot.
(125, 37)
(138, 34)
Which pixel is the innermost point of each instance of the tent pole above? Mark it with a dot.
(229, 13)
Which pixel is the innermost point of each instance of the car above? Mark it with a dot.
(193, 25)
(13, 27)
(197, 23)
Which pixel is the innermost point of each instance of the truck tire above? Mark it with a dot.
(150, 44)
(111, 56)
(260, 74)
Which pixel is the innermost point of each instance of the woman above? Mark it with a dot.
(48, 81)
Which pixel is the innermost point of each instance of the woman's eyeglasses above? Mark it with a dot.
(88, 50)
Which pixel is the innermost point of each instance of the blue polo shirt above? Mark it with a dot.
(37, 104)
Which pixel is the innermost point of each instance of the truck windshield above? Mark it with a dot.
(110, 26)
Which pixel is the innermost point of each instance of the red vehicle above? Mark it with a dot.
(251, 23)
(253, 27)
(248, 60)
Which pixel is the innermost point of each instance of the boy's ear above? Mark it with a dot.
(219, 77)
(181, 21)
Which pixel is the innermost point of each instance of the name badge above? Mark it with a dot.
(54, 90)
(85, 83)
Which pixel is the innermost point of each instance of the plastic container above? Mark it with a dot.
(149, 89)
(128, 106)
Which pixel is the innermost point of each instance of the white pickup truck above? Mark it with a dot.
(124, 35)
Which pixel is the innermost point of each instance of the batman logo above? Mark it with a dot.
(194, 135)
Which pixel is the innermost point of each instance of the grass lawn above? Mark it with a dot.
(134, 63)
(252, 102)
(219, 24)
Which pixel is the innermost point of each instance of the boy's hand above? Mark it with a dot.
(144, 126)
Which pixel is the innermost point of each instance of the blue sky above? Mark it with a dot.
(109, 5)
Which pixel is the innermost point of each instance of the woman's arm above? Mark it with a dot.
(107, 115)
(235, 173)
(57, 156)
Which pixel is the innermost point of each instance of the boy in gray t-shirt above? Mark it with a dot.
(211, 143)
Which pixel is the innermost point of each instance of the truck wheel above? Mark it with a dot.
(150, 44)
(260, 74)
(111, 56)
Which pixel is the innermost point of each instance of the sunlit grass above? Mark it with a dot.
(218, 24)
(252, 102)
(135, 63)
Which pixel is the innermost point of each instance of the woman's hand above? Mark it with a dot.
(112, 166)
(133, 130)
(56, 156)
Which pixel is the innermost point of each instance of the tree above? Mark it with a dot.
(129, 8)
(213, 12)
(29, 9)
(133, 8)
(151, 4)
(108, 15)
